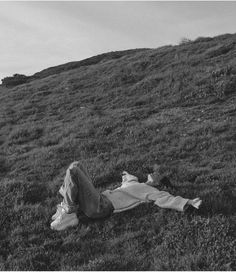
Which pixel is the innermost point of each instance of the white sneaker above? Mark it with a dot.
(58, 212)
(64, 220)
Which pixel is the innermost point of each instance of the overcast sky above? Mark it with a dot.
(38, 35)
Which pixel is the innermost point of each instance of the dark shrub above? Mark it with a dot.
(203, 39)
(184, 40)
(14, 80)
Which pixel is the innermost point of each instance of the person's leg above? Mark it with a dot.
(69, 191)
(78, 191)
(92, 203)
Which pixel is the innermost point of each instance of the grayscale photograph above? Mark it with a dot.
(117, 135)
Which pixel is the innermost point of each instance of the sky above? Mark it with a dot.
(38, 35)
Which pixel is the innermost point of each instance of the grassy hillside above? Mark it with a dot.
(175, 105)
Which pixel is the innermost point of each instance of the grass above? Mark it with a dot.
(173, 105)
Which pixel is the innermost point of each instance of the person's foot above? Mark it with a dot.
(58, 212)
(196, 202)
(64, 220)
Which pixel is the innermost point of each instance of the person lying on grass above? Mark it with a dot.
(79, 192)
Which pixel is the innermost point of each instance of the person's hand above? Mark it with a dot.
(153, 179)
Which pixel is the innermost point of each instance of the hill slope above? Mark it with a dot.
(173, 105)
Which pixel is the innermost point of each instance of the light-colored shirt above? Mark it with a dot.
(132, 193)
